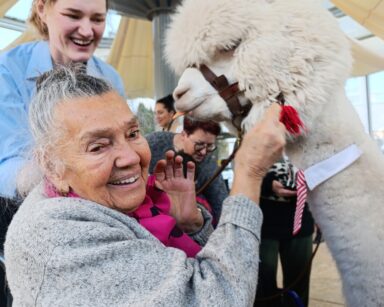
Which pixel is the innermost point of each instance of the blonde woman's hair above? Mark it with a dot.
(35, 21)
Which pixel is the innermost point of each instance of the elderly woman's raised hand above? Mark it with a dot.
(261, 147)
(181, 191)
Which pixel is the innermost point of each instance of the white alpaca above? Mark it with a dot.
(293, 47)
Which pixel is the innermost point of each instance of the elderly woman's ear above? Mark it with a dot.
(61, 186)
(54, 171)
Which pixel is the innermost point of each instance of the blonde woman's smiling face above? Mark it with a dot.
(106, 158)
(75, 28)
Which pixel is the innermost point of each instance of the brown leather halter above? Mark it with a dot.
(229, 93)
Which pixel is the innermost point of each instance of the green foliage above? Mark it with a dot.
(146, 119)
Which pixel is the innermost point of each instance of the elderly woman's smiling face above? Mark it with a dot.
(105, 156)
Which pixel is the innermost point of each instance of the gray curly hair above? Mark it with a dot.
(60, 85)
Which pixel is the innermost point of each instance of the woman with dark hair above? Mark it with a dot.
(196, 141)
(164, 112)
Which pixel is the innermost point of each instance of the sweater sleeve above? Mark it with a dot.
(99, 261)
(203, 234)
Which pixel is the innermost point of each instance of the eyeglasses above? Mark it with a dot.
(199, 146)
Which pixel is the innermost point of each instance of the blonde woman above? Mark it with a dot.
(70, 31)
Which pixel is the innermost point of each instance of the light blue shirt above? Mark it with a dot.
(19, 68)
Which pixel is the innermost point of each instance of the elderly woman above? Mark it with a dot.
(76, 241)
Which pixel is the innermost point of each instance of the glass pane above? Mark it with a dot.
(376, 94)
(112, 24)
(356, 92)
(7, 37)
(20, 10)
(352, 28)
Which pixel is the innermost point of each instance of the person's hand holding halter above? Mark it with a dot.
(261, 147)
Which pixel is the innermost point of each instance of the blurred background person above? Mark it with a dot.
(164, 112)
(278, 204)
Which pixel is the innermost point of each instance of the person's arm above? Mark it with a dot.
(91, 258)
(260, 148)
(280, 190)
(272, 186)
(201, 236)
(14, 132)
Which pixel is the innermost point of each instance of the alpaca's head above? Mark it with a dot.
(293, 47)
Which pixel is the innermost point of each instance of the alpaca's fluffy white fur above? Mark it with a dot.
(296, 47)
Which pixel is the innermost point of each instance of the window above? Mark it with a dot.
(8, 36)
(357, 94)
(376, 97)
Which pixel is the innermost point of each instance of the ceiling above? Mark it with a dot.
(144, 9)
(361, 20)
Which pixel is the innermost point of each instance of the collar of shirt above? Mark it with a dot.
(41, 62)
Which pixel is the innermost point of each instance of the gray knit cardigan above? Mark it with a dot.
(74, 252)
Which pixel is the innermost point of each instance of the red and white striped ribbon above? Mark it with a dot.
(300, 203)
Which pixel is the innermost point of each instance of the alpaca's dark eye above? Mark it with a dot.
(231, 46)
(236, 44)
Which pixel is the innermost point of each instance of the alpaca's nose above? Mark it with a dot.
(179, 92)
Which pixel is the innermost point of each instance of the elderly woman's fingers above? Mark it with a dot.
(169, 155)
(191, 170)
(178, 166)
(159, 170)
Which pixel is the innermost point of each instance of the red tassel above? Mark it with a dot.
(291, 120)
